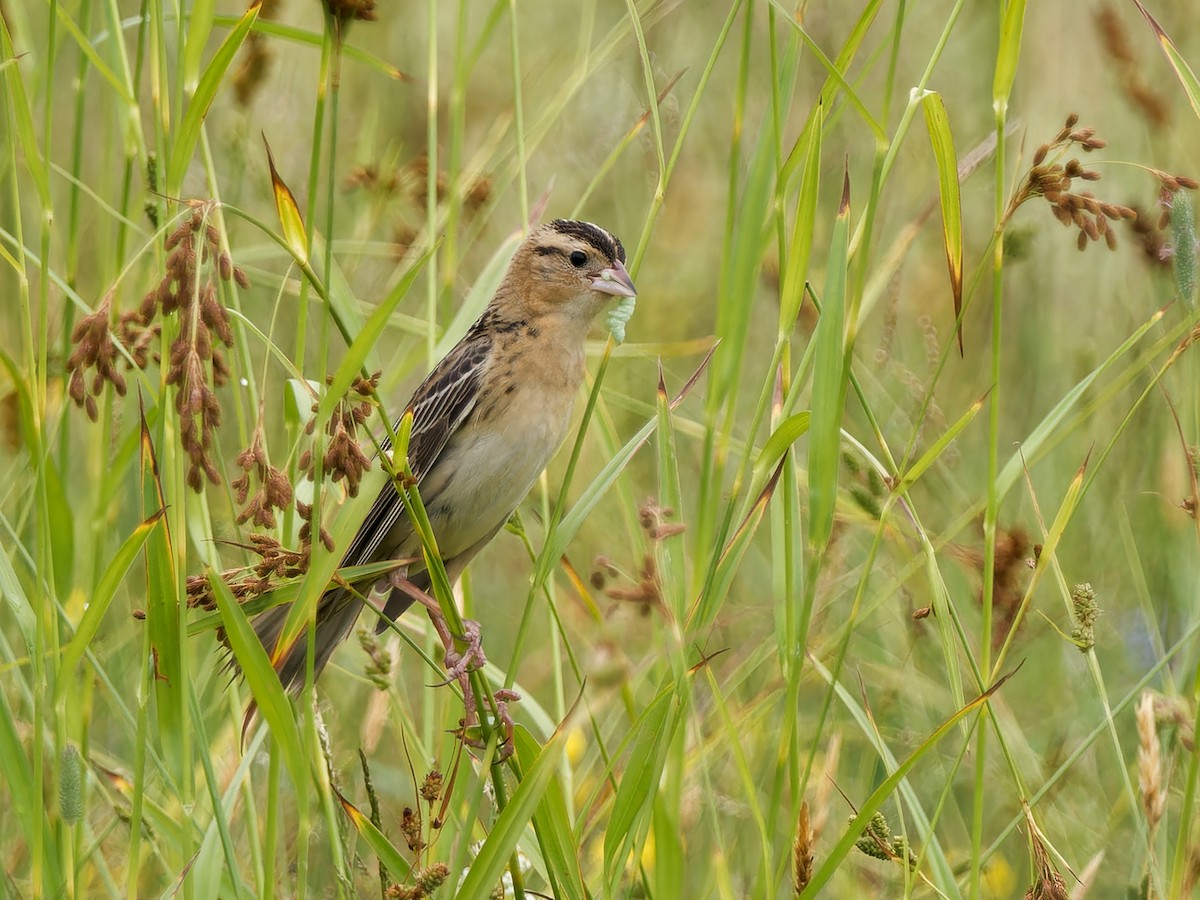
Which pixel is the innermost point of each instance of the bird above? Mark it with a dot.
(485, 423)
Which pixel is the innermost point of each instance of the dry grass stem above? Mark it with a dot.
(1150, 762)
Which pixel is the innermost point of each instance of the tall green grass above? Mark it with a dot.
(796, 611)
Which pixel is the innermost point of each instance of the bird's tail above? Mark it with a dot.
(337, 611)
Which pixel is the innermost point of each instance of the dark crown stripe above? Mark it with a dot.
(590, 234)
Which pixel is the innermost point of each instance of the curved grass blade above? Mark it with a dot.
(635, 793)
(288, 211)
(553, 825)
(314, 39)
(498, 848)
(725, 566)
(98, 603)
(376, 839)
(206, 89)
(362, 343)
(1009, 53)
(269, 696)
(830, 377)
(1191, 85)
(1031, 447)
(22, 118)
(929, 457)
(28, 809)
(872, 804)
(787, 433)
(799, 249)
(938, 124)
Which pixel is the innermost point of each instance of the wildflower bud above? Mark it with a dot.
(70, 785)
(1183, 243)
(431, 787)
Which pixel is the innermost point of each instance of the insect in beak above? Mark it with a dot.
(615, 280)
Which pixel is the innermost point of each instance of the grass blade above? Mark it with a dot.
(498, 848)
(391, 857)
(98, 603)
(1009, 53)
(830, 377)
(206, 90)
(288, 211)
(635, 793)
(938, 124)
(553, 824)
(1187, 78)
(872, 804)
(269, 695)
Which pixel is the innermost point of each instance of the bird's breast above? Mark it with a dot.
(490, 464)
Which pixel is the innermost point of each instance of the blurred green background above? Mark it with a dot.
(460, 123)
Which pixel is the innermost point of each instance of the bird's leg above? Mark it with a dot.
(503, 697)
(458, 665)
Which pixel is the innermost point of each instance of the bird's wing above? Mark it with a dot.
(439, 407)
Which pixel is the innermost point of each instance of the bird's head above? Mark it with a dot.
(570, 267)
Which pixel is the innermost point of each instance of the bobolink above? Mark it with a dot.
(486, 421)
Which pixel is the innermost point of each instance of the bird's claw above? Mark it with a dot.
(458, 665)
(474, 737)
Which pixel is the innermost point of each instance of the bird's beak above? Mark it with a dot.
(615, 280)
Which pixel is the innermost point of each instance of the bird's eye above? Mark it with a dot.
(578, 258)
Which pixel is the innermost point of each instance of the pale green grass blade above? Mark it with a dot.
(477, 298)
(362, 344)
(871, 805)
(1046, 556)
(269, 695)
(60, 528)
(164, 607)
(1183, 71)
(672, 569)
(1045, 429)
(836, 70)
(199, 26)
(937, 448)
(787, 433)
(510, 825)
(27, 808)
(937, 122)
(933, 850)
(18, 602)
(184, 144)
(725, 566)
(345, 521)
(733, 738)
(627, 824)
(799, 249)
(94, 59)
(99, 601)
(313, 39)
(553, 825)
(830, 376)
(1011, 27)
(391, 857)
(22, 118)
(209, 872)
